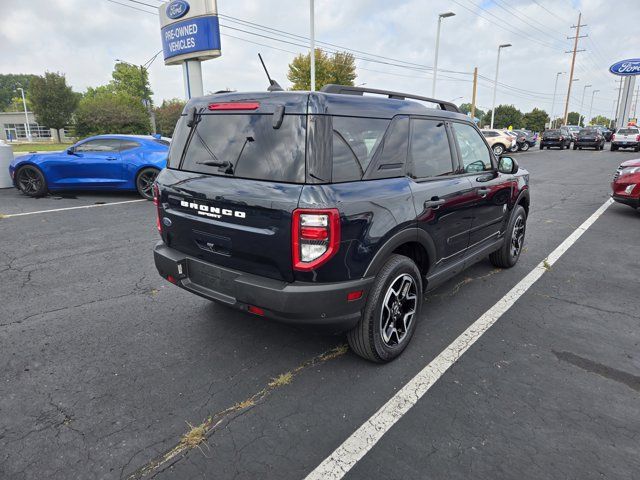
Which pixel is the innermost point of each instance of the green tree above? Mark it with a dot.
(338, 68)
(573, 118)
(8, 84)
(535, 120)
(132, 80)
(466, 109)
(600, 120)
(52, 100)
(167, 116)
(102, 111)
(506, 116)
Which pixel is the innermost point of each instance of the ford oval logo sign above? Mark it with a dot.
(626, 67)
(177, 9)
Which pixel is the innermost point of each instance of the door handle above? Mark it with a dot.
(111, 158)
(434, 203)
(482, 191)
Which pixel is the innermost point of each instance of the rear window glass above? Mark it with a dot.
(354, 142)
(628, 131)
(244, 146)
(552, 132)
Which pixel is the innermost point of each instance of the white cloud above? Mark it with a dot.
(83, 37)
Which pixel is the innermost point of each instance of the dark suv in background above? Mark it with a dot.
(557, 137)
(589, 138)
(333, 208)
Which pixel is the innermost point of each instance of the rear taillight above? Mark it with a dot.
(637, 138)
(315, 237)
(156, 202)
(561, 137)
(613, 137)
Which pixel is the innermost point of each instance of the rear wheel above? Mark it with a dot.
(541, 147)
(511, 249)
(498, 150)
(31, 182)
(392, 310)
(144, 182)
(575, 147)
(613, 148)
(525, 147)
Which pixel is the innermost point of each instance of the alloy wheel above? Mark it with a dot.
(398, 310)
(29, 181)
(517, 236)
(145, 182)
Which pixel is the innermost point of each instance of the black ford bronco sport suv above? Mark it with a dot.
(333, 208)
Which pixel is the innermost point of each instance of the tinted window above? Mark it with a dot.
(627, 131)
(128, 145)
(429, 149)
(489, 134)
(102, 145)
(354, 142)
(243, 146)
(473, 151)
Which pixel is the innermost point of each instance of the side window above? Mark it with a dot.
(128, 145)
(429, 149)
(474, 153)
(102, 145)
(354, 142)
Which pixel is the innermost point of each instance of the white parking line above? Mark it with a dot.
(343, 459)
(11, 215)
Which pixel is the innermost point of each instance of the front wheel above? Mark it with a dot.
(392, 311)
(31, 181)
(575, 147)
(541, 147)
(144, 182)
(614, 148)
(511, 249)
(498, 150)
(525, 147)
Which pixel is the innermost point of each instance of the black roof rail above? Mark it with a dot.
(349, 90)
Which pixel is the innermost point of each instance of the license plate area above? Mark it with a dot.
(214, 279)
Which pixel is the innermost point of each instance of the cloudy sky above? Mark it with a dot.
(81, 38)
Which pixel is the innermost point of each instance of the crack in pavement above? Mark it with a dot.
(620, 376)
(591, 307)
(198, 435)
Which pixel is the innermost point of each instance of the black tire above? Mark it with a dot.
(144, 182)
(511, 249)
(525, 147)
(541, 147)
(498, 149)
(575, 148)
(636, 149)
(614, 148)
(31, 181)
(366, 339)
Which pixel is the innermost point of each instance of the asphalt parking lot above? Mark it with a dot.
(111, 372)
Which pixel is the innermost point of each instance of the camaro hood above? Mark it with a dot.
(631, 163)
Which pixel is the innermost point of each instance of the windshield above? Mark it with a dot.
(627, 131)
(552, 132)
(587, 131)
(242, 145)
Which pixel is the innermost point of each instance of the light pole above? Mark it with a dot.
(553, 103)
(457, 98)
(312, 32)
(580, 117)
(26, 114)
(593, 94)
(144, 68)
(495, 85)
(435, 61)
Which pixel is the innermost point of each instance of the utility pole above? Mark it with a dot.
(573, 63)
(635, 105)
(475, 91)
(312, 31)
(615, 116)
(27, 126)
(588, 119)
(581, 116)
(553, 103)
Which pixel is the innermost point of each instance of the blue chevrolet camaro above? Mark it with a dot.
(103, 162)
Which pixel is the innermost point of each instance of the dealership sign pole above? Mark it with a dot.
(628, 69)
(190, 34)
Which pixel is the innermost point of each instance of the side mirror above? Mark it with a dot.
(71, 151)
(508, 165)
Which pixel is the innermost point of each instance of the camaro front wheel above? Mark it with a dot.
(144, 182)
(31, 182)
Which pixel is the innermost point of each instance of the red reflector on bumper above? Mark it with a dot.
(171, 279)
(351, 296)
(256, 310)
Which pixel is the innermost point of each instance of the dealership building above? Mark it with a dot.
(13, 128)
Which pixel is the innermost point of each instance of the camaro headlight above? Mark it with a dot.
(630, 170)
(629, 188)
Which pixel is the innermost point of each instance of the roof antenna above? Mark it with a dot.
(273, 85)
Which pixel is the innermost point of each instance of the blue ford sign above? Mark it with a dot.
(626, 67)
(177, 9)
(200, 34)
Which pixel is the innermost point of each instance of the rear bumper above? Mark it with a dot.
(321, 304)
(588, 143)
(625, 144)
(553, 143)
(631, 201)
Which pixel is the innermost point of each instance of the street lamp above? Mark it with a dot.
(26, 114)
(584, 89)
(144, 68)
(454, 99)
(593, 93)
(553, 103)
(435, 62)
(495, 85)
